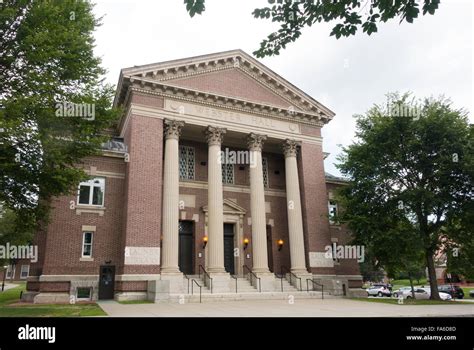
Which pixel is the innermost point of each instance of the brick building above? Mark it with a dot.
(216, 169)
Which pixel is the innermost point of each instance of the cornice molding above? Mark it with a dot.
(225, 102)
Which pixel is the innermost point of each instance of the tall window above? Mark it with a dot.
(87, 244)
(91, 192)
(25, 271)
(332, 212)
(10, 271)
(265, 171)
(227, 173)
(186, 163)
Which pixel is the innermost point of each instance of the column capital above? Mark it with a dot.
(255, 141)
(214, 135)
(173, 128)
(290, 148)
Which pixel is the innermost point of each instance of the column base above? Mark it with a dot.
(176, 281)
(170, 270)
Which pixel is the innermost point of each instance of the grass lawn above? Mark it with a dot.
(405, 301)
(10, 307)
(466, 292)
(406, 283)
(135, 302)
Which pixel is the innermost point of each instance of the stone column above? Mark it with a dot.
(257, 204)
(295, 219)
(170, 216)
(215, 205)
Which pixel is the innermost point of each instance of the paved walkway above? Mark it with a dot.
(278, 308)
(8, 286)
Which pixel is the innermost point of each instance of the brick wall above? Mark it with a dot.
(143, 189)
(314, 202)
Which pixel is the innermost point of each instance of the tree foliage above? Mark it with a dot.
(47, 58)
(410, 178)
(349, 16)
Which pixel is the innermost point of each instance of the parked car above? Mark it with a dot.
(442, 295)
(420, 294)
(455, 291)
(401, 291)
(379, 291)
(386, 285)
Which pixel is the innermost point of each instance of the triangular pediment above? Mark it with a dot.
(234, 83)
(232, 76)
(230, 207)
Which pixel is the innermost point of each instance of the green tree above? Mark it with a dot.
(47, 58)
(348, 15)
(12, 233)
(409, 172)
(459, 246)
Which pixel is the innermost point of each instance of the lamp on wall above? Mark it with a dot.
(204, 242)
(280, 244)
(246, 243)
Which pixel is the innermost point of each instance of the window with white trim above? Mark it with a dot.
(265, 171)
(186, 163)
(25, 271)
(227, 173)
(91, 192)
(87, 244)
(10, 271)
(332, 205)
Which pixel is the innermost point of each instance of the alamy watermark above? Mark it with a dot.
(9, 252)
(237, 157)
(79, 110)
(336, 251)
(400, 109)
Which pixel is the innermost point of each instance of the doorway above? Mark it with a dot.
(106, 282)
(229, 248)
(186, 247)
(269, 248)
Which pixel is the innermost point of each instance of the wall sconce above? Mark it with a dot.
(280, 244)
(246, 243)
(204, 242)
(107, 262)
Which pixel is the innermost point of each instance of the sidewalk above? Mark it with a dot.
(280, 308)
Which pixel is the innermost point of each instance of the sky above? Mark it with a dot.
(431, 57)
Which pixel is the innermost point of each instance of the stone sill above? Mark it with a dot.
(86, 259)
(90, 209)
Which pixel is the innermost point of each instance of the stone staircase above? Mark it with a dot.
(245, 291)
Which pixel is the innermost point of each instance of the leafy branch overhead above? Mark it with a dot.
(348, 15)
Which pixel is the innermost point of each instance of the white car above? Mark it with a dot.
(423, 293)
(401, 291)
(379, 291)
(442, 295)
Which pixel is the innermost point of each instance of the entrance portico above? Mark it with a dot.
(216, 211)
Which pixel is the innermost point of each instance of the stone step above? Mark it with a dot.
(220, 297)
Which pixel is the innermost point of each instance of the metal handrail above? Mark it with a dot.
(314, 282)
(255, 276)
(281, 280)
(200, 289)
(206, 275)
(187, 279)
(291, 276)
(234, 277)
